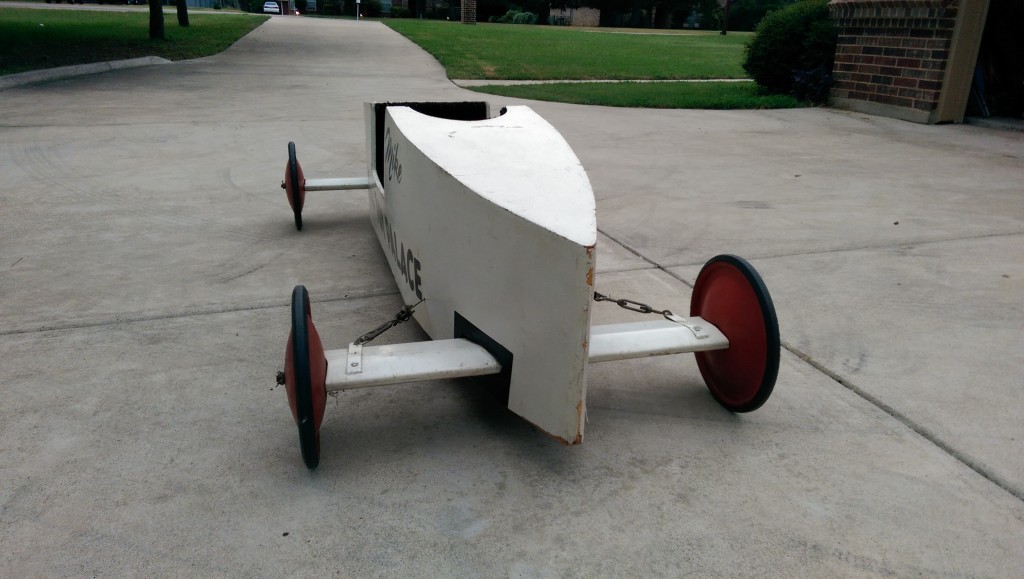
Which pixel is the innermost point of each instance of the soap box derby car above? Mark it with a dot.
(489, 227)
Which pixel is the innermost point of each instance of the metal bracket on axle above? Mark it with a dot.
(354, 363)
(697, 325)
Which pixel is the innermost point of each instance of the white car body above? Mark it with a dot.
(492, 224)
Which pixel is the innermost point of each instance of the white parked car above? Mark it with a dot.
(271, 8)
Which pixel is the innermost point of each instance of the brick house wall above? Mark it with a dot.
(468, 12)
(892, 55)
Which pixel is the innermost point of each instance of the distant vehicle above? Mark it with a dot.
(271, 8)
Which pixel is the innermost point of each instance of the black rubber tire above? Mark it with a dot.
(293, 170)
(309, 438)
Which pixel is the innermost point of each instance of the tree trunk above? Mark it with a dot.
(182, 12)
(544, 13)
(156, 20)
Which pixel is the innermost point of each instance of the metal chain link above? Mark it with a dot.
(635, 306)
(403, 315)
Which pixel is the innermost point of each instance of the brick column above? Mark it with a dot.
(892, 55)
(469, 11)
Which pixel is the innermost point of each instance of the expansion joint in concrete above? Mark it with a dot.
(910, 423)
(135, 317)
(631, 250)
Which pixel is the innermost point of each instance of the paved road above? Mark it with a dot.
(148, 255)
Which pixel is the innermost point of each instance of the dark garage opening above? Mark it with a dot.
(998, 87)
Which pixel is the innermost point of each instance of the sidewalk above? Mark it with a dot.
(148, 255)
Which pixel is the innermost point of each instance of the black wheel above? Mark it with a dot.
(730, 294)
(295, 185)
(305, 369)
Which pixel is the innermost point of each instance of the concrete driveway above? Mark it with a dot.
(147, 257)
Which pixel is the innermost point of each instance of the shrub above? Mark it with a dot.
(515, 17)
(524, 18)
(793, 50)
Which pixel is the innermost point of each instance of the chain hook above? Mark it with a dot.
(403, 315)
(635, 306)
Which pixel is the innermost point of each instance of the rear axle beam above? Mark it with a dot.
(367, 366)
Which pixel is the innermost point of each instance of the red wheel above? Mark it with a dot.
(295, 185)
(305, 377)
(730, 294)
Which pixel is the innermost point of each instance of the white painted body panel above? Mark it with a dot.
(495, 220)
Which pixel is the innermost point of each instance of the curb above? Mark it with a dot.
(34, 76)
(465, 83)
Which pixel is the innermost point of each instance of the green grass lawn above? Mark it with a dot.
(32, 39)
(663, 95)
(518, 52)
(508, 51)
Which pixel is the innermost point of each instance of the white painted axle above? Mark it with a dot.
(413, 362)
(654, 338)
(338, 184)
(363, 367)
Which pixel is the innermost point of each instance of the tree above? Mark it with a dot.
(156, 20)
(182, 12)
(745, 14)
(711, 13)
